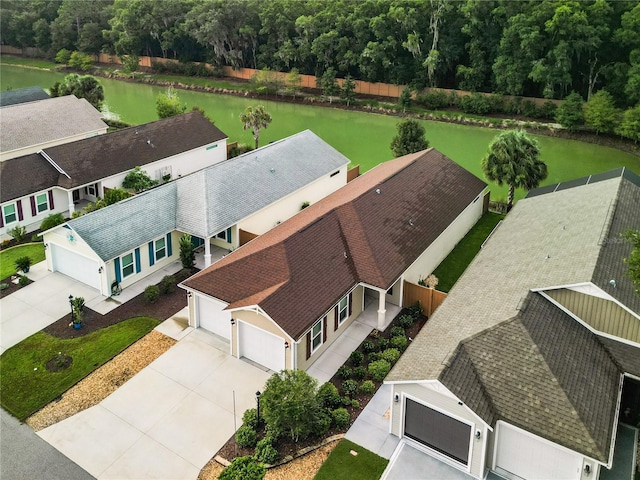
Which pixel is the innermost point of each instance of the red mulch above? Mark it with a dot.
(166, 306)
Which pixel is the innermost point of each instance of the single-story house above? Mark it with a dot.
(221, 207)
(284, 297)
(28, 127)
(530, 363)
(22, 95)
(57, 179)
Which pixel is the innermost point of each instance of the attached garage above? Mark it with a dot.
(76, 266)
(437, 431)
(518, 455)
(212, 316)
(260, 346)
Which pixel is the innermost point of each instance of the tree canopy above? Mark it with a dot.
(82, 86)
(410, 138)
(168, 104)
(255, 118)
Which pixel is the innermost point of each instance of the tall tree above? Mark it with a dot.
(600, 112)
(410, 138)
(255, 118)
(513, 159)
(82, 86)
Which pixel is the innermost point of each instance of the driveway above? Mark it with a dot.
(168, 420)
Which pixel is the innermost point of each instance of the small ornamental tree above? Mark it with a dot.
(130, 63)
(187, 254)
(63, 56)
(410, 138)
(405, 99)
(82, 86)
(600, 112)
(80, 60)
(630, 125)
(290, 404)
(255, 118)
(293, 82)
(571, 113)
(348, 91)
(168, 104)
(328, 84)
(138, 180)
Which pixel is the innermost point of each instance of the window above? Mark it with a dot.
(343, 309)
(335, 173)
(42, 203)
(127, 265)
(222, 235)
(160, 249)
(10, 214)
(316, 336)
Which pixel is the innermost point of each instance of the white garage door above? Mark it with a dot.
(76, 266)
(261, 347)
(528, 457)
(212, 317)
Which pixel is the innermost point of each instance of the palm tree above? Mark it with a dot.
(513, 159)
(255, 118)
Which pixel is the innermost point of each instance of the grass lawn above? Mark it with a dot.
(27, 385)
(29, 62)
(9, 256)
(342, 465)
(460, 257)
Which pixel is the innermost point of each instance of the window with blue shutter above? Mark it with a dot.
(152, 255)
(137, 251)
(116, 264)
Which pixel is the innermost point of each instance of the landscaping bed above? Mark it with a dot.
(12, 287)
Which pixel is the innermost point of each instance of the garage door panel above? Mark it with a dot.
(520, 455)
(76, 266)
(213, 317)
(261, 346)
(437, 431)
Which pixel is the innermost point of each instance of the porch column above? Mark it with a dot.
(71, 205)
(381, 309)
(207, 252)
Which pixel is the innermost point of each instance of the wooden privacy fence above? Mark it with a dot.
(429, 298)
(353, 173)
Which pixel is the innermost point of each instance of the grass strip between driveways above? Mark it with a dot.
(9, 256)
(27, 386)
(461, 256)
(342, 464)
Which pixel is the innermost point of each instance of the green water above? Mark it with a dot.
(364, 138)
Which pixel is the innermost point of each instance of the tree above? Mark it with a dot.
(80, 60)
(187, 253)
(329, 84)
(633, 237)
(63, 56)
(600, 112)
(405, 99)
(84, 86)
(293, 82)
(571, 113)
(255, 118)
(114, 195)
(410, 138)
(130, 63)
(168, 105)
(348, 91)
(630, 125)
(289, 403)
(138, 180)
(513, 159)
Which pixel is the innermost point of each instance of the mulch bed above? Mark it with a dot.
(13, 287)
(163, 308)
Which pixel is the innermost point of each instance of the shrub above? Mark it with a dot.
(346, 401)
(368, 346)
(395, 331)
(80, 60)
(322, 424)
(514, 106)
(250, 418)
(340, 417)
(167, 284)
(18, 233)
(265, 452)
(356, 358)
(4, 286)
(405, 321)
(328, 395)
(433, 100)
(138, 180)
(244, 468)
(114, 195)
(355, 403)
(152, 293)
(23, 281)
(399, 342)
(35, 238)
(379, 369)
(367, 387)
(415, 310)
(344, 372)
(529, 109)
(548, 110)
(246, 437)
(359, 372)
(51, 221)
(349, 387)
(383, 343)
(373, 356)
(23, 263)
(63, 56)
(496, 103)
(391, 355)
(187, 253)
(475, 103)
(304, 205)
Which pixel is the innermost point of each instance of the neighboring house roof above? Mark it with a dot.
(34, 123)
(369, 231)
(102, 156)
(212, 199)
(22, 95)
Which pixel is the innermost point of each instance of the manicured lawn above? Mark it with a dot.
(27, 385)
(460, 257)
(29, 62)
(9, 256)
(342, 465)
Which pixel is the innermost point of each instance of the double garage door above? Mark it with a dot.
(76, 266)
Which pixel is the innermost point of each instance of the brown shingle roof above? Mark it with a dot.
(369, 231)
(98, 157)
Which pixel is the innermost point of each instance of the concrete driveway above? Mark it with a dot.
(168, 420)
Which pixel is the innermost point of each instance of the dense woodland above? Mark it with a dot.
(532, 48)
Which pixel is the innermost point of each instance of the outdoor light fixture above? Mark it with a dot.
(258, 405)
(286, 344)
(71, 305)
(587, 469)
(396, 398)
(233, 322)
(478, 434)
(99, 270)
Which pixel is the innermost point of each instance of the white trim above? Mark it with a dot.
(616, 418)
(46, 202)
(256, 309)
(155, 249)
(133, 264)
(239, 353)
(321, 333)
(15, 212)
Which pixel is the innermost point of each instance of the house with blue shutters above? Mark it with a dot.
(221, 206)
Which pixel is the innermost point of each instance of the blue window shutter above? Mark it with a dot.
(229, 235)
(169, 250)
(116, 263)
(152, 259)
(137, 254)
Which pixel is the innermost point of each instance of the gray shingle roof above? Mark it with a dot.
(22, 95)
(210, 200)
(43, 121)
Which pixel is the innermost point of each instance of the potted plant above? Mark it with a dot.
(77, 311)
(23, 264)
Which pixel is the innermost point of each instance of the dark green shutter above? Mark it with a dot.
(137, 255)
(152, 256)
(169, 249)
(116, 263)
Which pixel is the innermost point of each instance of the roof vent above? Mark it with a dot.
(272, 170)
(378, 191)
(411, 222)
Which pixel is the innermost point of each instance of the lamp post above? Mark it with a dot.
(258, 403)
(71, 305)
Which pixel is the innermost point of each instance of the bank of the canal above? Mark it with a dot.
(362, 137)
